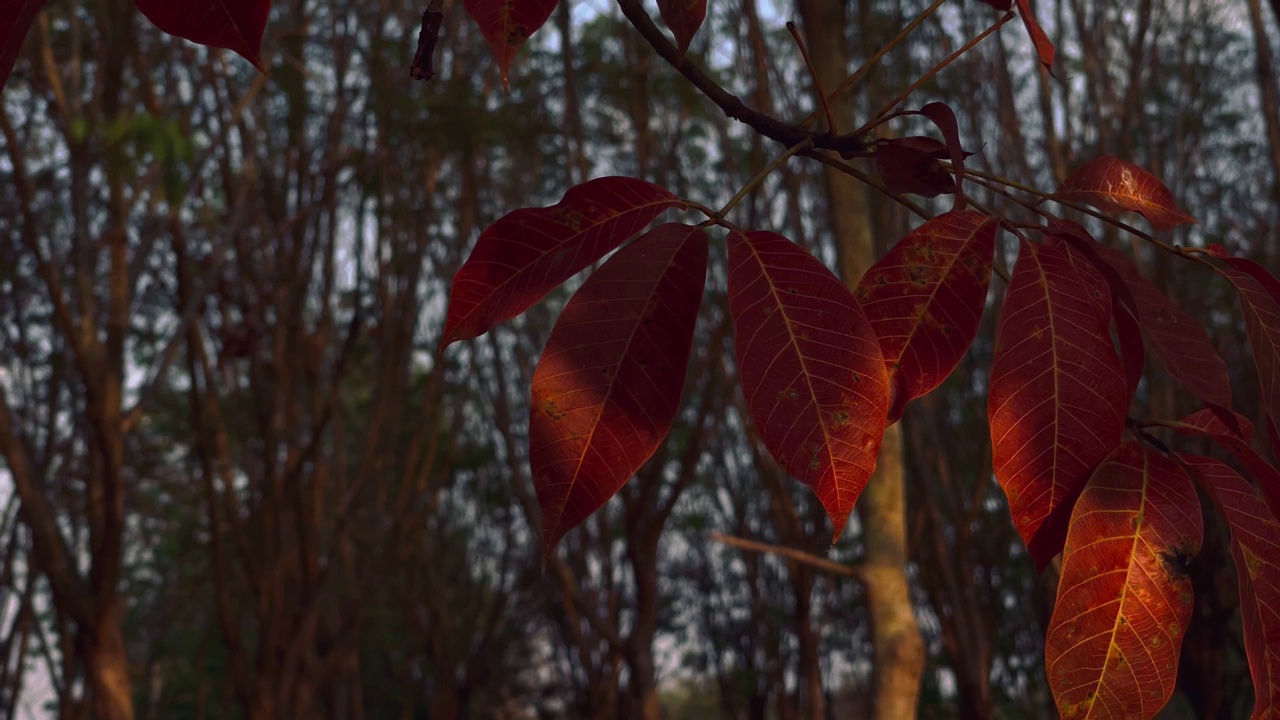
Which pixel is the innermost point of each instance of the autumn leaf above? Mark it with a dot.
(1124, 309)
(1124, 599)
(924, 299)
(1259, 294)
(1057, 397)
(1207, 423)
(941, 115)
(506, 24)
(527, 253)
(1255, 547)
(908, 170)
(236, 25)
(609, 382)
(684, 17)
(810, 367)
(1179, 342)
(1044, 47)
(16, 17)
(1109, 183)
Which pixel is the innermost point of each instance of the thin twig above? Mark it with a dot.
(847, 145)
(788, 552)
(881, 116)
(852, 171)
(813, 73)
(761, 176)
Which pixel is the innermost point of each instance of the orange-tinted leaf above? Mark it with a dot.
(1044, 47)
(1124, 599)
(1259, 293)
(1109, 183)
(236, 25)
(924, 299)
(1209, 424)
(810, 367)
(609, 382)
(1124, 309)
(1179, 342)
(684, 17)
(1255, 546)
(908, 170)
(1057, 394)
(16, 17)
(506, 24)
(527, 253)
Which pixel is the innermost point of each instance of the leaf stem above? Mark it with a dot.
(754, 182)
(872, 61)
(854, 172)
(813, 72)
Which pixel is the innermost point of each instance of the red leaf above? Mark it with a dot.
(16, 17)
(1005, 5)
(1044, 48)
(924, 299)
(236, 25)
(1209, 424)
(506, 24)
(684, 17)
(942, 116)
(609, 382)
(1109, 183)
(1259, 295)
(1179, 342)
(908, 170)
(1057, 393)
(1255, 546)
(1124, 600)
(1124, 309)
(527, 253)
(810, 367)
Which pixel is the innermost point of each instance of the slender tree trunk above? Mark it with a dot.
(898, 648)
(1267, 87)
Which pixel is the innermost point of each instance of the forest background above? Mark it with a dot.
(324, 514)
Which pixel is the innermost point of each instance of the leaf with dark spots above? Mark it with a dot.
(527, 253)
(608, 385)
(1111, 184)
(1057, 398)
(925, 298)
(236, 25)
(1122, 607)
(810, 368)
(506, 24)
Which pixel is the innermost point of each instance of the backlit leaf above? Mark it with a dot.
(1179, 342)
(1109, 183)
(236, 25)
(609, 382)
(1124, 598)
(1255, 547)
(684, 17)
(506, 24)
(941, 115)
(1044, 47)
(1124, 309)
(924, 299)
(1057, 398)
(1259, 294)
(527, 253)
(810, 367)
(16, 17)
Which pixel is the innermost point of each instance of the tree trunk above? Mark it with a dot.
(108, 668)
(899, 650)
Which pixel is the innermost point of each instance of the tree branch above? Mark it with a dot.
(847, 145)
